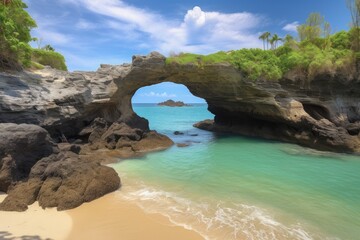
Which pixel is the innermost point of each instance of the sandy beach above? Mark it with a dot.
(91, 221)
(35, 223)
(128, 221)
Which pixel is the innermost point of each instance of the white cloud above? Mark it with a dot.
(196, 16)
(161, 95)
(291, 27)
(199, 31)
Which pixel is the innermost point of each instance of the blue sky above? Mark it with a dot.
(90, 32)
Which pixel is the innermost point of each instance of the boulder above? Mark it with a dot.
(21, 146)
(64, 181)
(152, 141)
(121, 131)
(126, 140)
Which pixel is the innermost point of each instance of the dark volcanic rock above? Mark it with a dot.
(63, 180)
(172, 103)
(21, 146)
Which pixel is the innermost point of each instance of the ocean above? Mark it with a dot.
(232, 187)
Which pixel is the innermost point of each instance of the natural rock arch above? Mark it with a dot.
(218, 84)
(267, 109)
(64, 103)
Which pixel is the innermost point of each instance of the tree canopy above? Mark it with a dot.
(15, 27)
(15, 51)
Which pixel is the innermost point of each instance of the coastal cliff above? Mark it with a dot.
(92, 112)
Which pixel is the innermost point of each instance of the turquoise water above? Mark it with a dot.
(232, 187)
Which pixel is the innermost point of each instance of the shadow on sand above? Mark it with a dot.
(9, 236)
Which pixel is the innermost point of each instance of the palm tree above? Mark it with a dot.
(264, 37)
(274, 40)
(267, 34)
(288, 38)
(272, 43)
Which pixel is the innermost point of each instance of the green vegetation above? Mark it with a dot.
(49, 58)
(15, 51)
(317, 52)
(15, 26)
(354, 8)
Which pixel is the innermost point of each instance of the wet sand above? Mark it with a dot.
(127, 222)
(35, 223)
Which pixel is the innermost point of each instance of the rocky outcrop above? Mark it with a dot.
(64, 181)
(33, 169)
(59, 101)
(172, 103)
(322, 113)
(123, 138)
(21, 146)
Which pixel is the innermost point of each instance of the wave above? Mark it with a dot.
(213, 219)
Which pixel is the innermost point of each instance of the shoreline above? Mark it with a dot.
(128, 221)
(91, 221)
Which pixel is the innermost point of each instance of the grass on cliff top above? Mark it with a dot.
(41, 57)
(305, 59)
(255, 63)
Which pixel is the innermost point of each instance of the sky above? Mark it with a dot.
(91, 32)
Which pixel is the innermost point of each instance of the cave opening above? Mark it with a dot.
(316, 111)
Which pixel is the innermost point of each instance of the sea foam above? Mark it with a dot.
(214, 219)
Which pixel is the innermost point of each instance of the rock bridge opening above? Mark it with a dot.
(170, 108)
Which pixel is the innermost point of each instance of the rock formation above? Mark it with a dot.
(172, 103)
(21, 146)
(33, 168)
(323, 113)
(94, 108)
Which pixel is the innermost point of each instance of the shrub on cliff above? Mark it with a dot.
(49, 58)
(255, 64)
(341, 40)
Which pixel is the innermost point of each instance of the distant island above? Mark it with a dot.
(172, 103)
